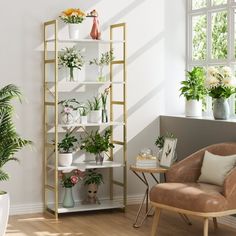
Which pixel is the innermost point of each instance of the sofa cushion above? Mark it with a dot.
(197, 197)
(215, 168)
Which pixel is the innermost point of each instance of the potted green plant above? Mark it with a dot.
(66, 148)
(71, 58)
(95, 112)
(73, 17)
(97, 143)
(92, 180)
(105, 59)
(10, 144)
(104, 104)
(194, 91)
(83, 114)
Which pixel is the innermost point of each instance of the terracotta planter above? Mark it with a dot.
(4, 211)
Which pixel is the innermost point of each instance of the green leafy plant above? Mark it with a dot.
(83, 111)
(95, 104)
(193, 87)
(104, 97)
(161, 140)
(93, 177)
(10, 141)
(95, 143)
(104, 60)
(67, 143)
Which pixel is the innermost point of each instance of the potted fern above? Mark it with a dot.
(95, 112)
(10, 144)
(194, 91)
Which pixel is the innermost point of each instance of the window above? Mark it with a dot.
(212, 36)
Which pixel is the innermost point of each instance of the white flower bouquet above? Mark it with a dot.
(220, 82)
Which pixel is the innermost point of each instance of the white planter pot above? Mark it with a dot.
(65, 159)
(4, 212)
(83, 119)
(73, 31)
(95, 116)
(193, 108)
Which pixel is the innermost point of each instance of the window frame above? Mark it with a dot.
(230, 8)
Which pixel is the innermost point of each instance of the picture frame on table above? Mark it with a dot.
(168, 153)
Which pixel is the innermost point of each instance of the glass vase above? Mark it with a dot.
(104, 116)
(99, 158)
(71, 76)
(101, 76)
(68, 201)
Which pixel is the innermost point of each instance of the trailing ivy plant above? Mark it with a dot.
(10, 140)
(193, 87)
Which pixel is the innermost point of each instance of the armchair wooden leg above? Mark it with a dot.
(215, 223)
(205, 230)
(155, 221)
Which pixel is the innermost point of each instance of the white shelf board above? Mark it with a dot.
(105, 204)
(86, 41)
(73, 83)
(88, 165)
(63, 128)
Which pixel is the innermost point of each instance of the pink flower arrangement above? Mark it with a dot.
(68, 180)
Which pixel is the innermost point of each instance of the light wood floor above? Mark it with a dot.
(107, 223)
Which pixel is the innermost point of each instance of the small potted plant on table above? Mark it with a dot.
(92, 180)
(10, 144)
(66, 148)
(97, 144)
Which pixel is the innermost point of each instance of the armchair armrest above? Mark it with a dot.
(187, 170)
(230, 184)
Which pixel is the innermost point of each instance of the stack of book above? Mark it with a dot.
(146, 161)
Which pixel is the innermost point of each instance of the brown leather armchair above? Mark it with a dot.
(183, 194)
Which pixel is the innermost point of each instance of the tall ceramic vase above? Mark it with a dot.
(4, 211)
(221, 109)
(73, 31)
(68, 201)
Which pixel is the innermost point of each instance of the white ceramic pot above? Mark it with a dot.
(83, 119)
(73, 31)
(4, 211)
(65, 159)
(95, 116)
(193, 108)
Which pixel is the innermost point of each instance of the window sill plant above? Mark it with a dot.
(220, 84)
(194, 91)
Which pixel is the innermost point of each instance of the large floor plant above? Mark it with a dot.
(10, 144)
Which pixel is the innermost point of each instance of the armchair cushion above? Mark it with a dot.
(198, 197)
(215, 168)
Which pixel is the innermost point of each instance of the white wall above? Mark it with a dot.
(156, 64)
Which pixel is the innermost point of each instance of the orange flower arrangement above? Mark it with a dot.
(73, 16)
